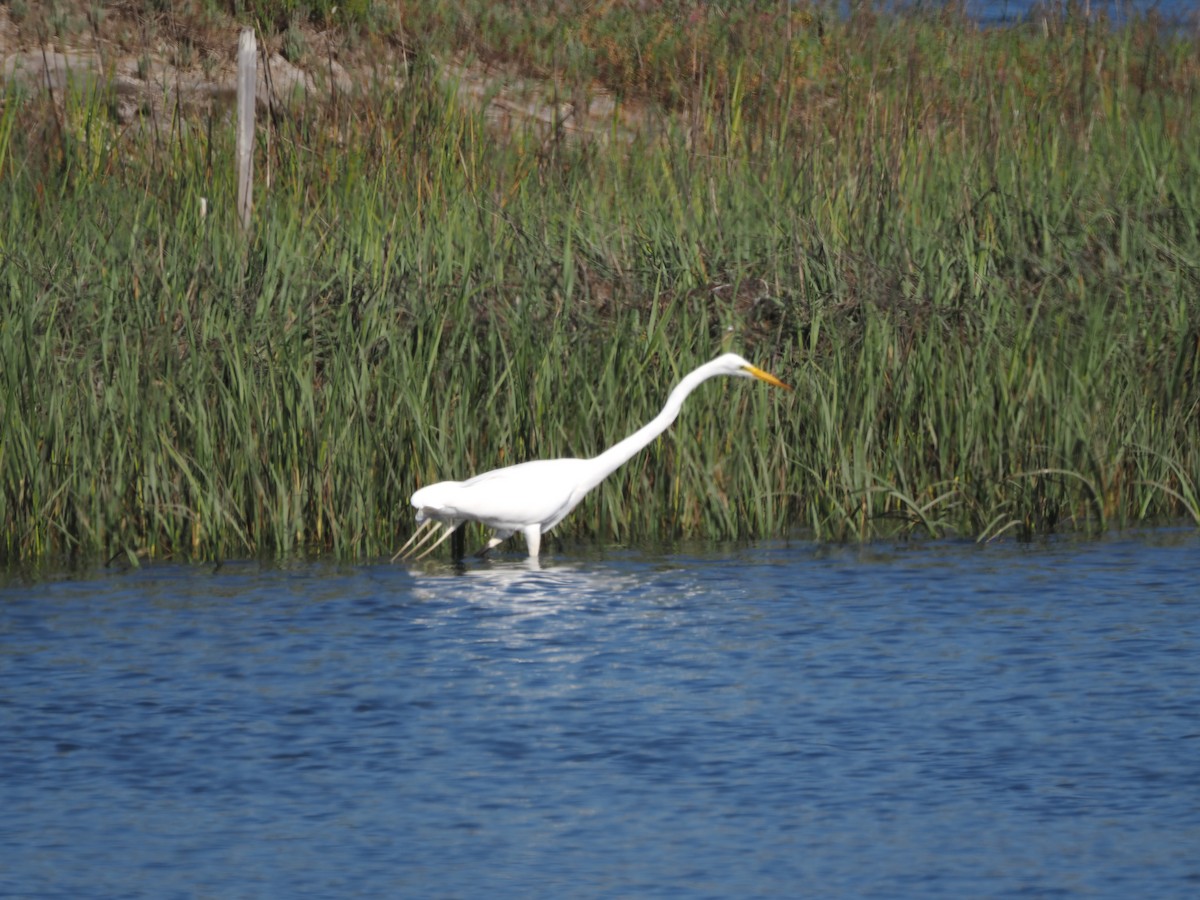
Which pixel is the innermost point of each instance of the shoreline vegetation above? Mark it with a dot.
(974, 253)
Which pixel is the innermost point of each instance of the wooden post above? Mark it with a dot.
(247, 56)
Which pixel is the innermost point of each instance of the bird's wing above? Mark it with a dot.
(533, 493)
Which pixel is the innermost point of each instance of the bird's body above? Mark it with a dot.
(530, 497)
(533, 497)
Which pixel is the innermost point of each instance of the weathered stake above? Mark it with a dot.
(247, 54)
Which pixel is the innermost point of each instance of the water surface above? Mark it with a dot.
(935, 720)
(1007, 12)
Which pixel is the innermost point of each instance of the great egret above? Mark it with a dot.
(533, 497)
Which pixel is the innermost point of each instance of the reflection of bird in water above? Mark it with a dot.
(533, 497)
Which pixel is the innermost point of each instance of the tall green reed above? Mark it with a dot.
(983, 287)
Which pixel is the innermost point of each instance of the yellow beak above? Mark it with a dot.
(767, 377)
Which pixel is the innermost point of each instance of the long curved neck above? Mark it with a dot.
(621, 452)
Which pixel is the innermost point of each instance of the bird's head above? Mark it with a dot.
(732, 364)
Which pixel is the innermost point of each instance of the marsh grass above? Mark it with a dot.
(975, 255)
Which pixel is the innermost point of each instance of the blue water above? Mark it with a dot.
(1000, 12)
(933, 720)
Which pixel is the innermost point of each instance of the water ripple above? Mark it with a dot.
(937, 719)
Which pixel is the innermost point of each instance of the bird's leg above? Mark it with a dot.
(497, 538)
(533, 538)
(422, 529)
(450, 529)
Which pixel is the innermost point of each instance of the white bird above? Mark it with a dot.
(533, 497)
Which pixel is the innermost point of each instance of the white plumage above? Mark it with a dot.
(533, 497)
